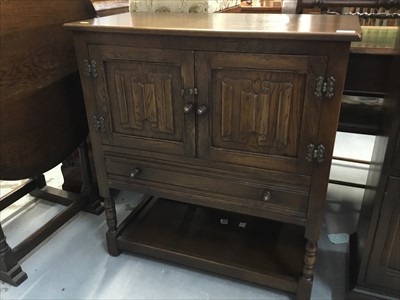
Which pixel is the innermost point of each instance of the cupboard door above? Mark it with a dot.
(262, 109)
(139, 96)
(384, 263)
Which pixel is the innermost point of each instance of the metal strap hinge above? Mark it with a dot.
(325, 87)
(191, 91)
(315, 153)
(99, 124)
(90, 68)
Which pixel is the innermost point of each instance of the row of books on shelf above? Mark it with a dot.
(375, 16)
(378, 37)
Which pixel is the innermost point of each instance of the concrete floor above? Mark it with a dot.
(74, 263)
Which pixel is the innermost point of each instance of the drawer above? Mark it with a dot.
(234, 193)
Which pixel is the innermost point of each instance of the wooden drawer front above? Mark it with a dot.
(257, 198)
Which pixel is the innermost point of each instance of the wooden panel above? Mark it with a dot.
(139, 93)
(263, 251)
(263, 26)
(373, 81)
(390, 255)
(38, 51)
(259, 104)
(396, 158)
(144, 105)
(35, 13)
(40, 89)
(122, 103)
(384, 265)
(264, 114)
(151, 101)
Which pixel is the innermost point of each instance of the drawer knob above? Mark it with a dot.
(267, 196)
(134, 173)
(188, 108)
(202, 110)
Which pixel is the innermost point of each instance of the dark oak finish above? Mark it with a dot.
(259, 104)
(38, 62)
(216, 111)
(194, 231)
(279, 26)
(369, 62)
(71, 167)
(42, 116)
(375, 248)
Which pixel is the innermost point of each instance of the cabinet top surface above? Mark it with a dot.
(278, 26)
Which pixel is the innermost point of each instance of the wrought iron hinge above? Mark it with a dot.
(325, 87)
(99, 124)
(90, 68)
(315, 153)
(192, 91)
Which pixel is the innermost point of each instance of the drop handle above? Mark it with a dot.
(188, 108)
(267, 196)
(202, 110)
(135, 173)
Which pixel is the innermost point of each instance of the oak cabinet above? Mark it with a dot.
(253, 110)
(228, 131)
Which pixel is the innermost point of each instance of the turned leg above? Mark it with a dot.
(306, 280)
(111, 218)
(309, 260)
(10, 270)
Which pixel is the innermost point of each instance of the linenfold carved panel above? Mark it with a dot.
(144, 102)
(261, 111)
(264, 113)
(151, 101)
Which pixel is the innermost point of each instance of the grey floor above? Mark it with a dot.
(74, 264)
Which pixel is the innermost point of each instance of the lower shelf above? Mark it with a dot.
(248, 248)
